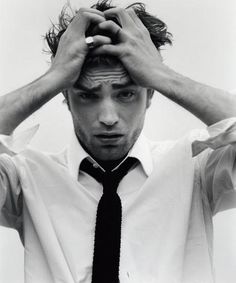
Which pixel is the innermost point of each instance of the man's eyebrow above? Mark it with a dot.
(127, 83)
(88, 89)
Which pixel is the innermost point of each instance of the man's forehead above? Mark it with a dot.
(103, 74)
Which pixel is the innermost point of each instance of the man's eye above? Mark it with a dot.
(126, 95)
(86, 95)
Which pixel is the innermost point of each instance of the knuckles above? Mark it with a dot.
(81, 10)
(114, 11)
(106, 23)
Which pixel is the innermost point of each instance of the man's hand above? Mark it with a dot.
(16, 106)
(72, 48)
(134, 46)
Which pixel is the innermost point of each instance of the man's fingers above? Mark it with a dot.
(92, 18)
(107, 49)
(120, 14)
(84, 18)
(90, 10)
(112, 28)
(100, 40)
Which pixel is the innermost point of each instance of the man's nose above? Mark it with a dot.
(108, 115)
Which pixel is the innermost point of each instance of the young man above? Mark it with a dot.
(154, 221)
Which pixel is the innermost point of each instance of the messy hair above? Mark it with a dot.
(157, 28)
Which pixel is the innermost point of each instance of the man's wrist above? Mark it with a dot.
(166, 81)
(54, 81)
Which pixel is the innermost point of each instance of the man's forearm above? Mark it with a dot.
(16, 106)
(65, 69)
(208, 104)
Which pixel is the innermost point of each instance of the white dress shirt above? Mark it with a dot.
(168, 201)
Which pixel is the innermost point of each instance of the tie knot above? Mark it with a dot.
(109, 179)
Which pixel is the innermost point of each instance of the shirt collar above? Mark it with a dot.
(140, 150)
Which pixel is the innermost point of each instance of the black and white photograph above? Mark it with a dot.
(118, 141)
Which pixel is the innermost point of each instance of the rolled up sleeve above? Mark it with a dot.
(11, 197)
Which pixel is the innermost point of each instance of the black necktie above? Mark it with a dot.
(106, 257)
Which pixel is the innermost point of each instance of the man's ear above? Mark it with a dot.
(66, 100)
(150, 93)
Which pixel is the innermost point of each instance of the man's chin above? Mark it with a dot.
(109, 153)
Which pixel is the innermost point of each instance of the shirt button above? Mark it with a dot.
(95, 165)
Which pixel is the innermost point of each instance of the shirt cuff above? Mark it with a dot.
(221, 126)
(221, 134)
(18, 141)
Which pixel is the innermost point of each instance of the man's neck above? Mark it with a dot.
(110, 164)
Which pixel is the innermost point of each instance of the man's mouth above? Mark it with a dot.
(109, 138)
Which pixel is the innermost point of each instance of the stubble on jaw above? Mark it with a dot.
(89, 148)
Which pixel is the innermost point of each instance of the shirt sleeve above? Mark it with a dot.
(11, 202)
(11, 197)
(218, 166)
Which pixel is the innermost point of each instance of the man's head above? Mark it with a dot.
(107, 107)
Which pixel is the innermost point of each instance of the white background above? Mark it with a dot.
(204, 49)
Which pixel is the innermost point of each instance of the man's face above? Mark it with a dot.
(108, 111)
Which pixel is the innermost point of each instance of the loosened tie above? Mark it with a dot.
(106, 257)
